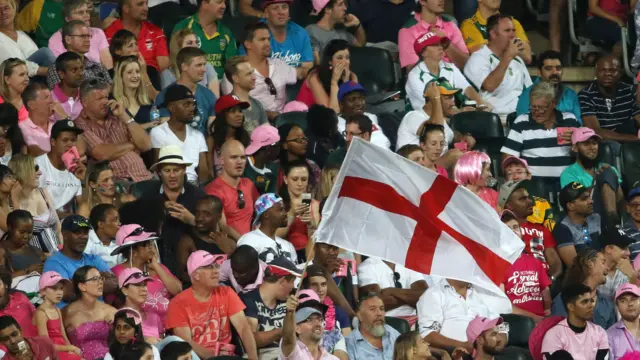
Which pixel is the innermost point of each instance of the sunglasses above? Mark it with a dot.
(134, 276)
(272, 88)
(396, 280)
(135, 232)
(37, 168)
(241, 202)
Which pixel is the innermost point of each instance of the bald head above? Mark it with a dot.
(608, 71)
(233, 158)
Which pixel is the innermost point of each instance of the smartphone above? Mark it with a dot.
(70, 158)
(306, 199)
(22, 346)
(562, 130)
(470, 103)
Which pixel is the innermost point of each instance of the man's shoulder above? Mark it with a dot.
(295, 29)
(224, 30)
(590, 89)
(182, 297)
(185, 23)
(151, 27)
(251, 296)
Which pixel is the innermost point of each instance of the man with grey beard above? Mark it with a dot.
(373, 339)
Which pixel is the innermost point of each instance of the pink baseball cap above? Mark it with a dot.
(583, 134)
(131, 276)
(428, 39)
(479, 325)
(627, 288)
(512, 160)
(318, 5)
(295, 106)
(49, 279)
(129, 235)
(262, 136)
(202, 258)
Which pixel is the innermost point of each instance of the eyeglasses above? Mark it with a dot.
(272, 88)
(345, 133)
(538, 108)
(396, 280)
(634, 206)
(299, 140)
(83, 36)
(314, 318)
(241, 202)
(95, 279)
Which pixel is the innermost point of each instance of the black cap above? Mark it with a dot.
(571, 192)
(315, 270)
(176, 92)
(617, 237)
(64, 125)
(75, 223)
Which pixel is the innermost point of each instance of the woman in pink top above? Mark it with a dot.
(322, 83)
(416, 154)
(14, 80)
(99, 50)
(604, 20)
(473, 171)
(138, 248)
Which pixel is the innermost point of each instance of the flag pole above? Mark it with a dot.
(304, 270)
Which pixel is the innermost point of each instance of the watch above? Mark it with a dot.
(130, 121)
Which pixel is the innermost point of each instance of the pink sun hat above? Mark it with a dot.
(129, 235)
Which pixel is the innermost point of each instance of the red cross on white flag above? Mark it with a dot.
(385, 206)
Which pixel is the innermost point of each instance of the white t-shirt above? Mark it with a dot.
(505, 98)
(267, 248)
(375, 271)
(419, 76)
(96, 247)
(62, 185)
(21, 49)
(162, 136)
(408, 129)
(377, 136)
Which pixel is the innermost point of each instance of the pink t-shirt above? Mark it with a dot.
(98, 43)
(489, 196)
(524, 283)
(583, 346)
(23, 114)
(408, 35)
(442, 171)
(35, 135)
(156, 306)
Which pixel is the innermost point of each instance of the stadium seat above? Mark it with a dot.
(292, 91)
(401, 325)
(170, 22)
(630, 164)
(520, 327)
(511, 118)
(390, 122)
(538, 187)
(481, 125)
(374, 68)
(606, 154)
(108, 9)
(295, 117)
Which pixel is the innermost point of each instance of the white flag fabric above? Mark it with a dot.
(386, 206)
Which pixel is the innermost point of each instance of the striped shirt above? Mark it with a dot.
(114, 131)
(612, 113)
(530, 141)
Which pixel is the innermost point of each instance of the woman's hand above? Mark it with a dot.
(16, 192)
(303, 212)
(337, 72)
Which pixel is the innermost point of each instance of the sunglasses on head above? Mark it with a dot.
(135, 276)
(241, 202)
(135, 232)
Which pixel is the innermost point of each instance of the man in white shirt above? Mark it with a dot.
(446, 309)
(180, 103)
(63, 185)
(497, 68)
(411, 126)
(351, 100)
(105, 223)
(271, 215)
(399, 288)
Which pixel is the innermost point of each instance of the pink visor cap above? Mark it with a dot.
(202, 258)
(627, 289)
(131, 276)
(583, 134)
(49, 279)
(262, 136)
(129, 235)
(479, 325)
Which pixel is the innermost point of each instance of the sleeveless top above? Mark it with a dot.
(44, 236)
(305, 95)
(91, 337)
(54, 328)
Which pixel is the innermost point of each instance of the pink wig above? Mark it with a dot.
(468, 169)
(635, 355)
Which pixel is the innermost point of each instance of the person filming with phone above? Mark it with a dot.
(20, 347)
(497, 68)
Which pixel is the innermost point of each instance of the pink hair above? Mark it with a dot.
(635, 355)
(468, 169)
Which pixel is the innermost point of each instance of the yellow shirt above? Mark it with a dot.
(475, 34)
(542, 213)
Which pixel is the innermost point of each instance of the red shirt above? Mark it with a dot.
(613, 7)
(536, 239)
(239, 219)
(151, 41)
(41, 347)
(524, 283)
(21, 309)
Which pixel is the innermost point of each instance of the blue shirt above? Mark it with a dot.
(205, 100)
(359, 348)
(568, 102)
(66, 266)
(296, 48)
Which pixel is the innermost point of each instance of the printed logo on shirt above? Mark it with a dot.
(51, 15)
(60, 185)
(149, 44)
(208, 327)
(525, 285)
(609, 104)
(198, 41)
(223, 43)
(292, 59)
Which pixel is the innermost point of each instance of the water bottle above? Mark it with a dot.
(154, 114)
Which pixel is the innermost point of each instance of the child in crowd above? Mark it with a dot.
(127, 329)
(48, 318)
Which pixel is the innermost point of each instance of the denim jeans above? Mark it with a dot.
(42, 57)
